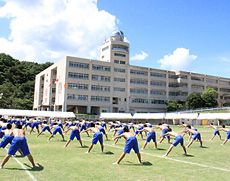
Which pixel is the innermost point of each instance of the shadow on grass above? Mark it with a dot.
(189, 155)
(84, 146)
(19, 156)
(37, 168)
(161, 149)
(146, 163)
(204, 147)
(109, 153)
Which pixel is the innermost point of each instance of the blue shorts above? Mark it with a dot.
(131, 143)
(1, 134)
(34, 125)
(28, 124)
(83, 127)
(196, 136)
(46, 128)
(216, 132)
(75, 133)
(120, 132)
(6, 140)
(97, 137)
(228, 135)
(164, 131)
(177, 140)
(19, 143)
(57, 130)
(102, 130)
(151, 136)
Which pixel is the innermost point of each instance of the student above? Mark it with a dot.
(35, 124)
(83, 127)
(131, 143)
(45, 127)
(57, 129)
(7, 136)
(164, 129)
(216, 131)
(195, 135)
(228, 134)
(102, 129)
(98, 136)
(119, 131)
(151, 135)
(178, 139)
(139, 127)
(18, 142)
(74, 133)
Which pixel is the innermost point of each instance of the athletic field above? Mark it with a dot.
(72, 163)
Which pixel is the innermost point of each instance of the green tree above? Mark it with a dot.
(194, 101)
(17, 79)
(209, 97)
(174, 106)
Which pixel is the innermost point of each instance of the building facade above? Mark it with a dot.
(111, 84)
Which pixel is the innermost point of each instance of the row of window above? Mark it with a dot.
(78, 65)
(85, 98)
(94, 87)
(147, 101)
(138, 72)
(119, 62)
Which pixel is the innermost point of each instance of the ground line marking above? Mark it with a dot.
(27, 171)
(176, 160)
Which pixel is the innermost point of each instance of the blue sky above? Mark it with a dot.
(191, 35)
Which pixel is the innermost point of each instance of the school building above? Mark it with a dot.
(111, 84)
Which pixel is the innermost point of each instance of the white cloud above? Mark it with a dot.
(140, 56)
(48, 30)
(180, 59)
(224, 59)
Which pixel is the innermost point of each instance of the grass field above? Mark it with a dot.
(72, 163)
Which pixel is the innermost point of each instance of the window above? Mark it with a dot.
(158, 83)
(173, 84)
(77, 97)
(78, 75)
(195, 86)
(171, 76)
(153, 101)
(119, 89)
(120, 70)
(197, 78)
(117, 47)
(101, 78)
(100, 99)
(139, 91)
(101, 68)
(139, 81)
(224, 90)
(139, 101)
(157, 92)
(100, 88)
(78, 86)
(138, 72)
(116, 61)
(119, 55)
(156, 74)
(117, 79)
(79, 65)
(178, 93)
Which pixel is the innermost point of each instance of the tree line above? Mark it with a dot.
(206, 99)
(17, 80)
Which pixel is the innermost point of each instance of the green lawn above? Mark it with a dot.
(72, 163)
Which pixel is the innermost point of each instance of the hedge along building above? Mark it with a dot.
(111, 84)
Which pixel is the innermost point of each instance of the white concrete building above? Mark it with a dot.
(111, 84)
